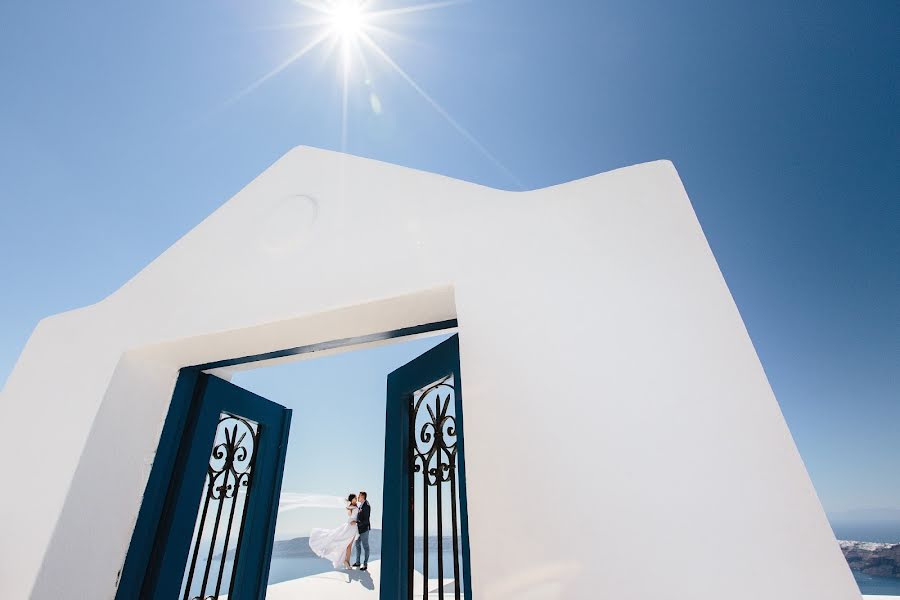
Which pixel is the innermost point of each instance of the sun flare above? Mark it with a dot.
(352, 29)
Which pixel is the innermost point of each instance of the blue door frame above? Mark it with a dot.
(156, 515)
(397, 527)
(155, 564)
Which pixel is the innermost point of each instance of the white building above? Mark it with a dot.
(620, 433)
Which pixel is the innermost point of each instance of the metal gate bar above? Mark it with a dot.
(433, 445)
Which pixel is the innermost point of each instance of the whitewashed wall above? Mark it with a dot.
(622, 440)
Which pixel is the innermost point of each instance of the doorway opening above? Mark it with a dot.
(336, 423)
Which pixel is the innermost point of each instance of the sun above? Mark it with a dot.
(346, 19)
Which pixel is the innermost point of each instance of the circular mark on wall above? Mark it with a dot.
(289, 223)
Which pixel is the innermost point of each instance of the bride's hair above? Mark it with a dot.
(351, 497)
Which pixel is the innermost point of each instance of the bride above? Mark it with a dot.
(334, 544)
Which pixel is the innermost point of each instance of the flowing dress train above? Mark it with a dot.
(332, 543)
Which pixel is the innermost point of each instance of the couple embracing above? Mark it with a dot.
(335, 544)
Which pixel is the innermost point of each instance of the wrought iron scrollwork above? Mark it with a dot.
(433, 465)
(229, 477)
(435, 440)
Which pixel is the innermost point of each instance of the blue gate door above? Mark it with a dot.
(212, 534)
(425, 541)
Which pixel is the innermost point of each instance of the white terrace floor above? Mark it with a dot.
(357, 585)
(344, 585)
(336, 585)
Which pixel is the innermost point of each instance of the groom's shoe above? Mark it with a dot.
(365, 567)
(356, 564)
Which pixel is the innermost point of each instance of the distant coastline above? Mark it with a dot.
(872, 558)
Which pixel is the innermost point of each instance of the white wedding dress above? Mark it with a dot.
(332, 543)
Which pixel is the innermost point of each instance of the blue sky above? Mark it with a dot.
(122, 125)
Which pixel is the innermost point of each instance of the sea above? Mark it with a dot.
(883, 586)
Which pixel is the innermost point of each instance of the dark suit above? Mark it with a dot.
(363, 525)
(362, 519)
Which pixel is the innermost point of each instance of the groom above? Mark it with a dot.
(362, 523)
